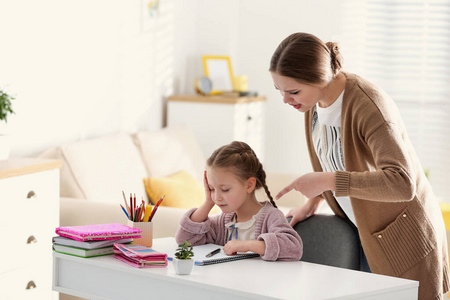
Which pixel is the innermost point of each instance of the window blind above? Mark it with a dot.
(404, 47)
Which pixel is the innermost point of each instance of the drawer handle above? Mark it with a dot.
(31, 285)
(31, 240)
(31, 194)
(249, 118)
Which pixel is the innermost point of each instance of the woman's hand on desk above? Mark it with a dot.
(233, 247)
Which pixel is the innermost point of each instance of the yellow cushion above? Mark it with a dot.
(181, 190)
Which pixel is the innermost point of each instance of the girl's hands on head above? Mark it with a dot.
(298, 214)
(208, 198)
(310, 184)
(201, 214)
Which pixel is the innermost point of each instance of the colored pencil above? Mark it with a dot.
(148, 212)
(131, 207)
(124, 211)
(134, 217)
(125, 201)
(156, 207)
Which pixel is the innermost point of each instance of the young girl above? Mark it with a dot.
(232, 175)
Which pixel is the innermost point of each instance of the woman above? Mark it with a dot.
(364, 164)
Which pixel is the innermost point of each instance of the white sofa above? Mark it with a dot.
(97, 170)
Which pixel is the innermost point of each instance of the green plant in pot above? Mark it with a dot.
(5, 110)
(183, 262)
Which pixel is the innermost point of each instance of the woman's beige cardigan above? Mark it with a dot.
(398, 217)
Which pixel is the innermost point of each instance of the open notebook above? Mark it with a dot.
(201, 251)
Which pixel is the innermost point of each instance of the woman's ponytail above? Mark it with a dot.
(336, 57)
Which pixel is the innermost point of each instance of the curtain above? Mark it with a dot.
(404, 47)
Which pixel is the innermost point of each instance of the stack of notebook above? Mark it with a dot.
(92, 240)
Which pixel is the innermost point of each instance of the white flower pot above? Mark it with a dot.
(183, 266)
(5, 146)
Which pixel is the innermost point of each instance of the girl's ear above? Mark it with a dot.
(251, 184)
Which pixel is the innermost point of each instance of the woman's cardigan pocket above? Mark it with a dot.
(407, 240)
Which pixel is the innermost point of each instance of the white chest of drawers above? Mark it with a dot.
(29, 214)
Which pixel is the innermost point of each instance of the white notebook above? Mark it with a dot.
(201, 251)
(88, 245)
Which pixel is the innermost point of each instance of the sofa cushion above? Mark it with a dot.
(170, 150)
(68, 185)
(100, 169)
(180, 190)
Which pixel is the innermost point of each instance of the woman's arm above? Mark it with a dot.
(393, 175)
(311, 184)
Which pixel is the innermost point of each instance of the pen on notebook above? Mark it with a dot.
(213, 252)
(124, 211)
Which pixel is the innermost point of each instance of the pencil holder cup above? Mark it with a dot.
(147, 233)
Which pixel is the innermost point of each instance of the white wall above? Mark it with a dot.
(264, 25)
(80, 69)
(86, 68)
(249, 31)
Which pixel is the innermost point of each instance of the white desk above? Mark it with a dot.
(108, 278)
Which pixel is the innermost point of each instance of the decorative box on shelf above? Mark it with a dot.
(218, 120)
(29, 192)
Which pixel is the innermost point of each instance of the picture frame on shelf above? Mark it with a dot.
(219, 70)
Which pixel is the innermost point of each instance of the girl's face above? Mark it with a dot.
(227, 191)
(300, 96)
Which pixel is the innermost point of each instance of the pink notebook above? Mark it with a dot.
(93, 232)
(140, 256)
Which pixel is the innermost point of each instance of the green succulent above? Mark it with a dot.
(184, 251)
(5, 105)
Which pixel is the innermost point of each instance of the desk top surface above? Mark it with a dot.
(263, 279)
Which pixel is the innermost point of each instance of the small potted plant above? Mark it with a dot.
(183, 262)
(5, 110)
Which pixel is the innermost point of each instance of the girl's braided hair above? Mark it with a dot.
(243, 161)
